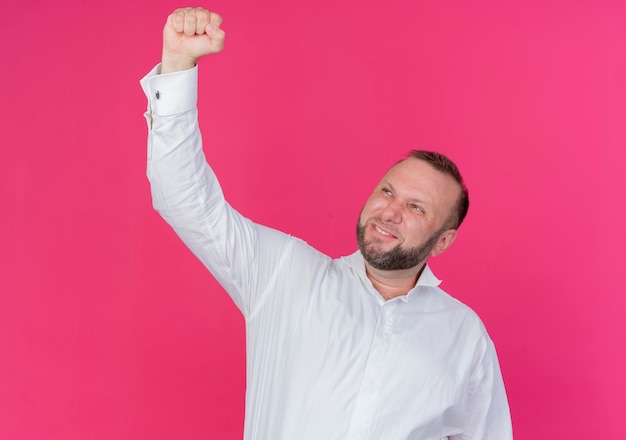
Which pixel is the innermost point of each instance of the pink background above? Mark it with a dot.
(110, 329)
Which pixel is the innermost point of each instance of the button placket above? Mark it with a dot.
(373, 377)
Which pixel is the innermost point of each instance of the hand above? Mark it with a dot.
(188, 35)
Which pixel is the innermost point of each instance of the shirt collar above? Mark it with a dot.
(427, 278)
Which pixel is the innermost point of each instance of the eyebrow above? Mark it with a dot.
(412, 199)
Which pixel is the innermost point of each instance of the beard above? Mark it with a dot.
(398, 258)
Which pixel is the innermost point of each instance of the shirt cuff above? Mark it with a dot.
(170, 93)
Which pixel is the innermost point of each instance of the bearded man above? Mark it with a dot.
(362, 347)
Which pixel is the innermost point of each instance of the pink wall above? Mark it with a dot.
(110, 329)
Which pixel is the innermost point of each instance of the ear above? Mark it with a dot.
(445, 241)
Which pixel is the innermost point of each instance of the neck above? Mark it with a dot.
(393, 283)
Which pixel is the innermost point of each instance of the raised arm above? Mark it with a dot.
(239, 253)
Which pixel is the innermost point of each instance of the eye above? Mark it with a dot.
(387, 192)
(417, 208)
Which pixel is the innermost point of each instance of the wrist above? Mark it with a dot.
(176, 62)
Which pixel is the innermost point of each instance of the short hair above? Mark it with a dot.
(444, 165)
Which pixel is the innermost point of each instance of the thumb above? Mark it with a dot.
(217, 37)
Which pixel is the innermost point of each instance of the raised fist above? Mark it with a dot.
(189, 34)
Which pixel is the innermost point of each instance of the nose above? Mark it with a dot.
(392, 212)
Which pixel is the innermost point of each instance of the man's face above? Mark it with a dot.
(403, 220)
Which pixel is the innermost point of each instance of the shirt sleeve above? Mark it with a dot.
(487, 411)
(241, 255)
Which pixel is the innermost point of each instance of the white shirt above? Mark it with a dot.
(327, 357)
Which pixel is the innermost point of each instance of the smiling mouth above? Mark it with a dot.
(383, 232)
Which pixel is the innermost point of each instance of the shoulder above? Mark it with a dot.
(459, 315)
(304, 256)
